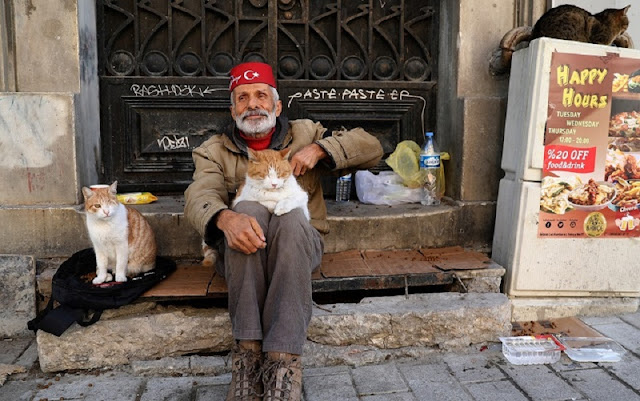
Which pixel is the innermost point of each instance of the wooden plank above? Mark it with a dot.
(217, 286)
(188, 280)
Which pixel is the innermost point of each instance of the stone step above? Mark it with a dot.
(411, 324)
(49, 231)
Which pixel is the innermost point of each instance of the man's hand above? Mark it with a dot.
(243, 233)
(307, 158)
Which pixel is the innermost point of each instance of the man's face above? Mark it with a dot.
(255, 110)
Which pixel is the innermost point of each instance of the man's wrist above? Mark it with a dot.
(220, 217)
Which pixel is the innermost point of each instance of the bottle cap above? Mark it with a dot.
(429, 134)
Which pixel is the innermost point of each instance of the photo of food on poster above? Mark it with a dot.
(591, 174)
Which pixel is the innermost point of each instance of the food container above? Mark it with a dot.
(592, 349)
(531, 350)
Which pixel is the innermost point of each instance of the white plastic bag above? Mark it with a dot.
(385, 188)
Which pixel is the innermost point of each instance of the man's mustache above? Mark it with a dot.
(250, 113)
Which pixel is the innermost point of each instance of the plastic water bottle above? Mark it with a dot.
(430, 164)
(343, 188)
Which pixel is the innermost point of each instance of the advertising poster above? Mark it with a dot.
(591, 176)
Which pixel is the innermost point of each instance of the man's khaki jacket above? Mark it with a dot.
(221, 166)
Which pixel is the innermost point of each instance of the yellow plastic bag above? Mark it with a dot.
(405, 162)
(136, 198)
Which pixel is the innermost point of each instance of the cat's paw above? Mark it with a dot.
(121, 278)
(101, 278)
(283, 207)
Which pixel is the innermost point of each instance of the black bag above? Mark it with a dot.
(79, 298)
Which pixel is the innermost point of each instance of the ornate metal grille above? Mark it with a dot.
(321, 40)
(164, 68)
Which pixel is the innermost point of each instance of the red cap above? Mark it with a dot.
(251, 73)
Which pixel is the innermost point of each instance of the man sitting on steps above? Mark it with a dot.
(267, 260)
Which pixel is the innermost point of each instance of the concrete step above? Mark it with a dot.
(49, 231)
(378, 328)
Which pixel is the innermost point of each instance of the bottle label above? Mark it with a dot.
(430, 161)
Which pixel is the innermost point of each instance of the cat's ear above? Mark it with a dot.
(253, 156)
(285, 153)
(624, 10)
(113, 188)
(86, 192)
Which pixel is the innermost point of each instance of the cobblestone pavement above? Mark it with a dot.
(478, 373)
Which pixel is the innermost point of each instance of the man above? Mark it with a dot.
(267, 260)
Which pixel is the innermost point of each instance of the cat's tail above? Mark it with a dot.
(500, 63)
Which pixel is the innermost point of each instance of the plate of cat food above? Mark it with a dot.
(592, 196)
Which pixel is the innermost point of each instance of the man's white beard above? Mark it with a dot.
(260, 126)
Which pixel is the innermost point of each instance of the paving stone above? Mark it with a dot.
(598, 320)
(433, 382)
(476, 366)
(628, 370)
(378, 379)
(177, 388)
(12, 348)
(541, 383)
(565, 363)
(390, 397)
(211, 393)
(597, 384)
(632, 318)
(326, 371)
(209, 365)
(329, 388)
(501, 390)
(29, 356)
(164, 366)
(111, 387)
(624, 333)
(19, 390)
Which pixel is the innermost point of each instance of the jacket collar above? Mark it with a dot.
(279, 140)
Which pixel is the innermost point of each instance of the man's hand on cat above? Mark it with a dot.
(307, 158)
(243, 233)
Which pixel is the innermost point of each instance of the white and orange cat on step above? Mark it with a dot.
(271, 183)
(122, 238)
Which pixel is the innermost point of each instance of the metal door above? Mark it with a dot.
(164, 73)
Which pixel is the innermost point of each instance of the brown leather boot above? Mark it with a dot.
(282, 377)
(246, 361)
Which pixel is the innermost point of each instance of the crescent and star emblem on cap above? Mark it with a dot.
(250, 75)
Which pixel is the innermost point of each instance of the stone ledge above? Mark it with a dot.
(353, 226)
(444, 320)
